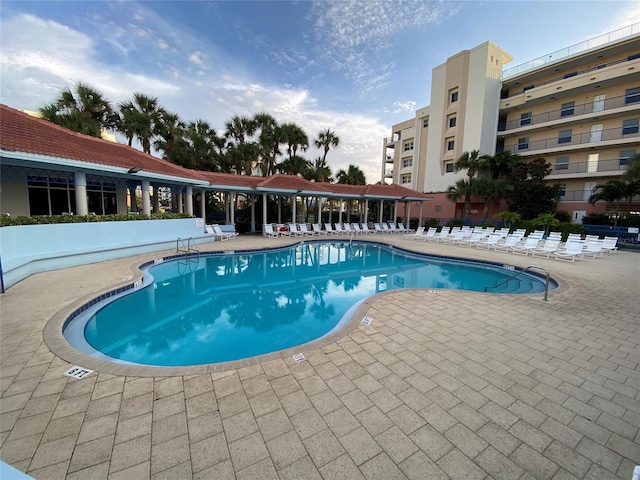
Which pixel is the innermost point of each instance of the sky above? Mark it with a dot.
(354, 66)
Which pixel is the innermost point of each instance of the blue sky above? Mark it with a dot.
(356, 67)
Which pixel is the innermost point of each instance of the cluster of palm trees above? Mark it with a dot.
(491, 187)
(257, 145)
(615, 191)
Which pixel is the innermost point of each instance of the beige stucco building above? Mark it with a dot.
(579, 108)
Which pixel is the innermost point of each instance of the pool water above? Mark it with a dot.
(223, 307)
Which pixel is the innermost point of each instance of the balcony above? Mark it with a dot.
(388, 173)
(576, 139)
(598, 107)
(612, 166)
(575, 195)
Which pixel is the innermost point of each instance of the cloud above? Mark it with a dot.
(357, 36)
(40, 58)
(198, 58)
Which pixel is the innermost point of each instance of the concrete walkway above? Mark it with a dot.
(442, 384)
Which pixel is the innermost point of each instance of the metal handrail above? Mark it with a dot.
(186, 249)
(546, 286)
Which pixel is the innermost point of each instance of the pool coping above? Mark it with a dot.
(57, 343)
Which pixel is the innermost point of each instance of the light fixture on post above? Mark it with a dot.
(134, 169)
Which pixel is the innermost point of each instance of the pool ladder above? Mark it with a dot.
(517, 274)
(187, 248)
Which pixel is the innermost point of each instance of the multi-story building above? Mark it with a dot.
(579, 108)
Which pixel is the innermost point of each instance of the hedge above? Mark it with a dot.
(50, 219)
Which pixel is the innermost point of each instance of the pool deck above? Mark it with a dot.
(442, 384)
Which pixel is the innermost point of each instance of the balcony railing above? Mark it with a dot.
(575, 195)
(599, 166)
(557, 79)
(598, 106)
(553, 57)
(388, 172)
(572, 140)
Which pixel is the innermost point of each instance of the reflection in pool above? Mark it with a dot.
(217, 308)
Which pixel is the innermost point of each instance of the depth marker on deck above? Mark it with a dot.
(78, 372)
(299, 357)
(366, 321)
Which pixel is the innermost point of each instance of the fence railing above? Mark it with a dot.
(597, 166)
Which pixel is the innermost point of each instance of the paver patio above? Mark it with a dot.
(442, 384)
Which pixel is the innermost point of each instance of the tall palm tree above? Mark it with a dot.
(352, 176)
(472, 161)
(83, 110)
(319, 171)
(463, 188)
(295, 165)
(295, 138)
(239, 128)
(633, 169)
(269, 139)
(501, 163)
(325, 140)
(169, 127)
(611, 192)
(491, 191)
(138, 118)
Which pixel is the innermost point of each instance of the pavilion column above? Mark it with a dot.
(253, 214)
(420, 216)
(264, 209)
(366, 211)
(180, 201)
(203, 205)
(407, 213)
(121, 200)
(133, 200)
(293, 209)
(279, 209)
(349, 210)
(395, 210)
(189, 200)
(330, 211)
(380, 210)
(146, 198)
(232, 210)
(341, 209)
(80, 181)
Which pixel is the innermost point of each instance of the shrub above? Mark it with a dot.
(597, 219)
(431, 222)
(455, 222)
(413, 223)
(567, 227)
(53, 219)
(563, 216)
(630, 221)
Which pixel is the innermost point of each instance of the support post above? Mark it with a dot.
(80, 181)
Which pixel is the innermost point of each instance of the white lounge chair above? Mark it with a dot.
(356, 228)
(346, 228)
(304, 229)
(417, 233)
(267, 231)
(385, 228)
(490, 242)
(572, 251)
(549, 247)
(429, 236)
(378, 228)
(443, 235)
(510, 242)
(329, 229)
(317, 229)
(472, 240)
(531, 243)
(609, 244)
(217, 231)
(293, 230)
(593, 249)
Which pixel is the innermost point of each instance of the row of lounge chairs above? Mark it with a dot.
(217, 232)
(302, 229)
(502, 240)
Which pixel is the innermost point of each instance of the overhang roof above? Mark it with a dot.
(37, 142)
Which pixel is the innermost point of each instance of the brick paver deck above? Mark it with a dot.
(442, 384)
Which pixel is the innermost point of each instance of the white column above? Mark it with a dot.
(395, 210)
(341, 209)
(366, 211)
(227, 215)
(121, 200)
(330, 211)
(253, 213)
(279, 208)
(293, 209)
(80, 181)
(349, 205)
(264, 208)
(156, 200)
(381, 204)
(180, 201)
(189, 200)
(203, 205)
(420, 216)
(146, 198)
(232, 205)
(407, 212)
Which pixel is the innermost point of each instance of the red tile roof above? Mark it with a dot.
(20, 132)
(23, 133)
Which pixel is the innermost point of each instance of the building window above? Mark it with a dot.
(525, 119)
(51, 195)
(101, 198)
(562, 188)
(562, 163)
(452, 121)
(453, 96)
(438, 208)
(564, 136)
(602, 65)
(567, 109)
(632, 96)
(523, 143)
(425, 123)
(634, 56)
(448, 167)
(450, 144)
(630, 126)
(569, 75)
(529, 87)
(405, 178)
(408, 146)
(407, 163)
(625, 156)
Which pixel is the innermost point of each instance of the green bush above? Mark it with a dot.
(563, 216)
(630, 221)
(455, 222)
(597, 219)
(566, 228)
(53, 219)
(431, 222)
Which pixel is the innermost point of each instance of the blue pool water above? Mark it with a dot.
(225, 307)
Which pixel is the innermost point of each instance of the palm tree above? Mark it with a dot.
(352, 176)
(269, 140)
(169, 128)
(501, 163)
(239, 128)
(295, 138)
(325, 140)
(611, 192)
(139, 118)
(491, 191)
(463, 188)
(295, 165)
(319, 171)
(633, 169)
(83, 110)
(472, 161)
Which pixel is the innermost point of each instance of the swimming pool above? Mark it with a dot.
(227, 306)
